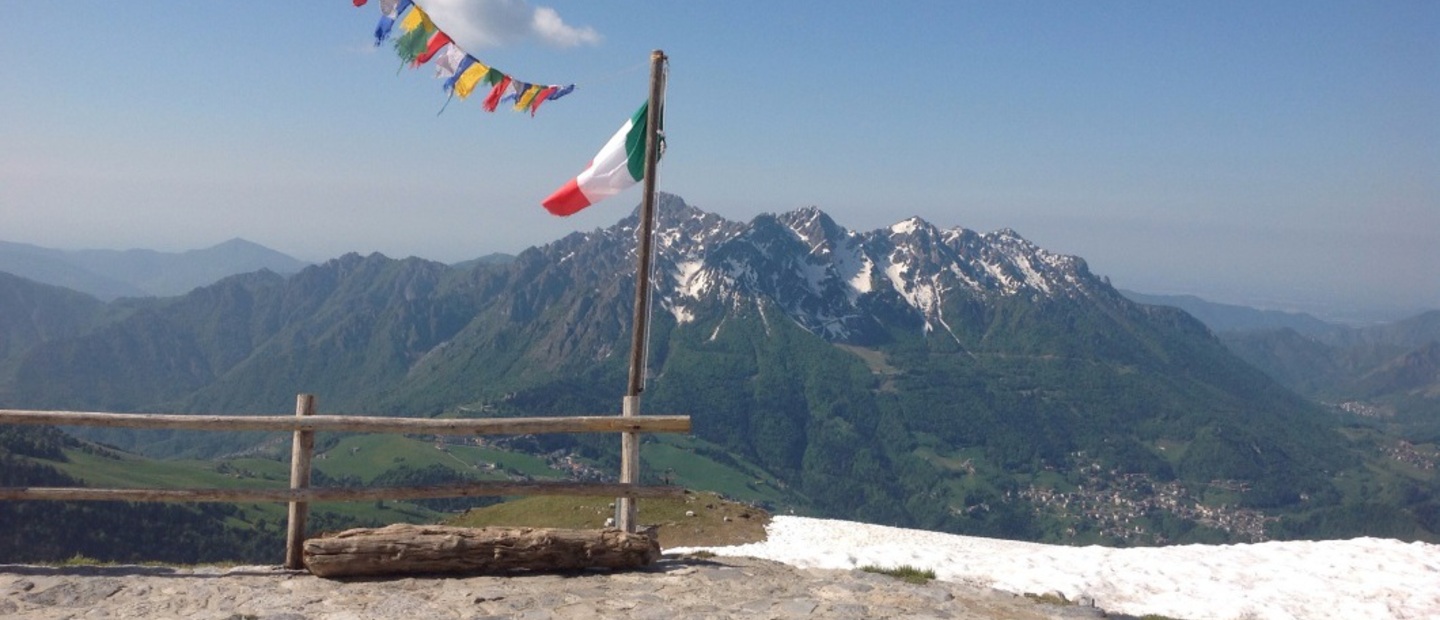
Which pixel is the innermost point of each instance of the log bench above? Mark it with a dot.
(405, 549)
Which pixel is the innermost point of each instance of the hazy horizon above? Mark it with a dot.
(1328, 310)
(1258, 154)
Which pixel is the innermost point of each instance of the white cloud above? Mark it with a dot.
(548, 26)
(476, 24)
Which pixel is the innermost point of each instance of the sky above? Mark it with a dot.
(1283, 155)
(1372, 578)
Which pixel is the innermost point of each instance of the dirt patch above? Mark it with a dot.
(671, 588)
(696, 520)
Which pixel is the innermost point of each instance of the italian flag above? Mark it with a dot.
(618, 165)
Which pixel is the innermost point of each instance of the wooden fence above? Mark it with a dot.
(305, 423)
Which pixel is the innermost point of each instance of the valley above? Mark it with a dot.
(949, 380)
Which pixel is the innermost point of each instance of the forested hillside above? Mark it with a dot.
(911, 375)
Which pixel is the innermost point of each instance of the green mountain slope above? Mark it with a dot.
(942, 379)
(36, 313)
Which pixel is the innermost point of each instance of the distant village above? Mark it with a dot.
(1118, 506)
(1408, 453)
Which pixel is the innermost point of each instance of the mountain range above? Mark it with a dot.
(1222, 318)
(939, 378)
(110, 274)
(1388, 374)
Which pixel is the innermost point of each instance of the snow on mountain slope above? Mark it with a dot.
(828, 278)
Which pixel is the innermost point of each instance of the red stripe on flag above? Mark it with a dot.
(567, 200)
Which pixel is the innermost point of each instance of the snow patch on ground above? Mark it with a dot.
(1359, 578)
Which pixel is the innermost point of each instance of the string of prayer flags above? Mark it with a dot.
(421, 41)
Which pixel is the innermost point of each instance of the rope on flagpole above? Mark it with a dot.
(660, 132)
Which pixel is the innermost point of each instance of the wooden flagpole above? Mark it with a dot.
(630, 442)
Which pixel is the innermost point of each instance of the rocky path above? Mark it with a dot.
(672, 588)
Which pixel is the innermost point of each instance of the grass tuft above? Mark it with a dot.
(906, 573)
(1049, 598)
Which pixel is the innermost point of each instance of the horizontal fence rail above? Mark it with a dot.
(355, 423)
(323, 494)
(304, 424)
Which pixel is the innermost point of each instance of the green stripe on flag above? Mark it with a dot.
(635, 143)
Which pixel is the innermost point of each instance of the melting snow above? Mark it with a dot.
(895, 271)
(814, 274)
(965, 277)
(926, 296)
(920, 295)
(855, 268)
(1360, 578)
(1007, 284)
(906, 227)
(686, 280)
(1032, 276)
(682, 314)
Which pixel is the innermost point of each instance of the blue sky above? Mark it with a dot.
(1283, 154)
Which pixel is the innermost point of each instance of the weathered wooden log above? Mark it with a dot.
(404, 549)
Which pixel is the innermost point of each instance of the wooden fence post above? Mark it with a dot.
(625, 509)
(301, 449)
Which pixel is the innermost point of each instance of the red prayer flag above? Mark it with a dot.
(540, 98)
(437, 41)
(493, 100)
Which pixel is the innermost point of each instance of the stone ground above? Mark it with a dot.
(672, 588)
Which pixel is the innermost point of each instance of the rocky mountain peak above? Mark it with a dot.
(833, 281)
(912, 226)
(814, 228)
(825, 277)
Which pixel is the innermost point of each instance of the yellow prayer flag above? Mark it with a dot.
(465, 84)
(527, 96)
(414, 19)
